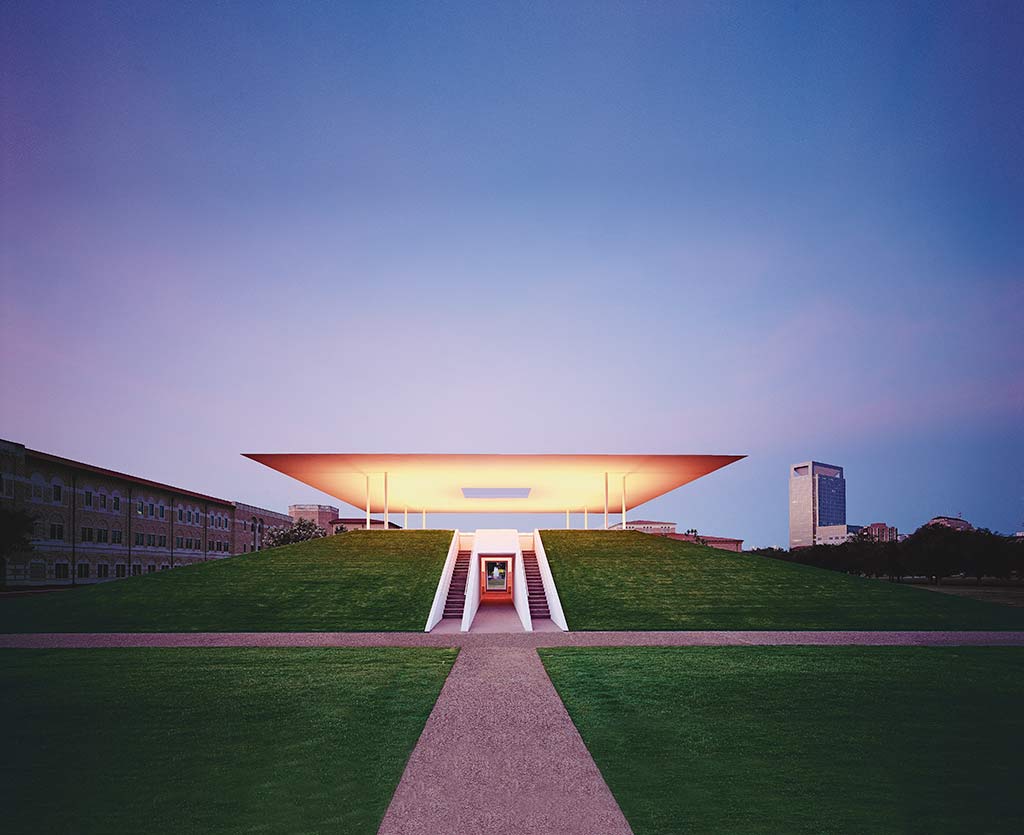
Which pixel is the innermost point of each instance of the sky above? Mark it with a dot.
(787, 230)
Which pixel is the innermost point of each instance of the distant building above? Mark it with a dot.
(954, 522)
(817, 499)
(647, 526)
(353, 523)
(92, 524)
(723, 543)
(880, 532)
(836, 534)
(668, 529)
(320, 514)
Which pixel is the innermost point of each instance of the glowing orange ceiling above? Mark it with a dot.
(493, 483)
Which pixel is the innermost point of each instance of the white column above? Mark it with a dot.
(586, 524)
(567, 520)
(405, 523)
(424, 525)
(623, 501)
(367, 501)
(606, 501)
(386, 499)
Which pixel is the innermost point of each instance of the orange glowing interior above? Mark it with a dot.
(493, 483)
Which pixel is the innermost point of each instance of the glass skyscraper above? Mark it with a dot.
(817, 499)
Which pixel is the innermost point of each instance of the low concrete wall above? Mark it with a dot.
(437, 609)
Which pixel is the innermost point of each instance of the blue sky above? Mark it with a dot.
(793, 231)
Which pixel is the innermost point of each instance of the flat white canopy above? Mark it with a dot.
(493, 483)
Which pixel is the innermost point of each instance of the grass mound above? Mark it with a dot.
(353, 582)
(631, 580)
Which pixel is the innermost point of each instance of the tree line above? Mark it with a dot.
(934, 551)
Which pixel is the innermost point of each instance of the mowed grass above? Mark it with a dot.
(802, 739)
(352, 582)
(630, 580)
(209, 740)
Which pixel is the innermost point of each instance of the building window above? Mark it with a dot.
(141, 508)
(115, 537)
(57, 494)
(161, 511)
(101, 535)
(9, 487)
(164, 567)
(83, 570)
(138, 538)
(188, 543)
(56, 531)
(119, 570)
(103, 571)
(88, 498)
(136, 570)
(150, 539)
(60, 571)
(103, 501)
(151, 508)
(190, 517)
(179, 542)
(86, 534)
(117, 502)
(181, 515)
(150, 569)
(162, 542)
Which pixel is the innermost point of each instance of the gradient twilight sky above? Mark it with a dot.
(792, 230)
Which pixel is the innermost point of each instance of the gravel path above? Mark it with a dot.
(499, 754)
(522, 640)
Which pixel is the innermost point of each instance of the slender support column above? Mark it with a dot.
(386, 525)
(567, 520)
(623, 501)
(367, 501)
(424, 525)
(606, 501)
(586, 524)
(405, 521)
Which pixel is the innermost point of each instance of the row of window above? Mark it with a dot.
(99, 501)
(62, 570)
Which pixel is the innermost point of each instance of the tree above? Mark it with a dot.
(301, 531)
(15, 532)
(15, 536)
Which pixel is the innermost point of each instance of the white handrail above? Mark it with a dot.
(520, 591)
(472, 590)
(554, 604)
(441, 595)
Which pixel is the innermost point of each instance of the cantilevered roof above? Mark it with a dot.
(493, 483)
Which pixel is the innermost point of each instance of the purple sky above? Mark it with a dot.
(793, 232)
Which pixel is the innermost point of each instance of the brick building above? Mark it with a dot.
(880, 532)
(358, 523)
(646, 526)
(92, 524)
(321, 514)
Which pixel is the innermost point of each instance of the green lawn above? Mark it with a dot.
(353, 582)
(802, 739)
(633, 580)
(209, 740)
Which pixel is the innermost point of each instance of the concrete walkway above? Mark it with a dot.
(499, 754)
(520, 640)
